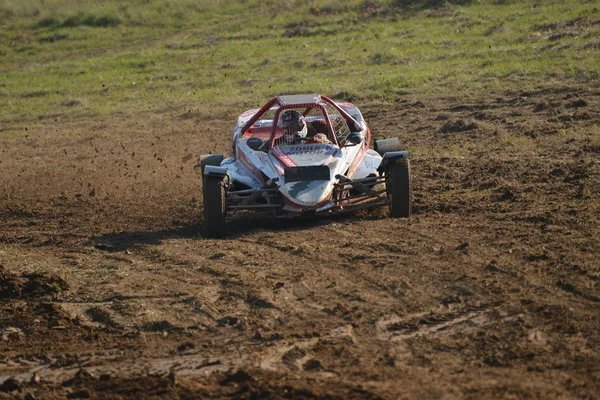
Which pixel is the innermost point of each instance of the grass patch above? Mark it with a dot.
(127, 58)
(104, 21)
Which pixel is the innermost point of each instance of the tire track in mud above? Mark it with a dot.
(150, 272)
(397, 328)
(106, 366)
(207, 269)
(300, 288)
(318, 277)
(278, 356)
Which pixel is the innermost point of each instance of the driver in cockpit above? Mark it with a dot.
(296, 130)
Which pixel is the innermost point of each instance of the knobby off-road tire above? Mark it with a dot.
(215, 190)
(399, 188)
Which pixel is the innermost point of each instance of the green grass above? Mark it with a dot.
(77, 58)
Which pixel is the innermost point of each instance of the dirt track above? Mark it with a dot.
(491, 290)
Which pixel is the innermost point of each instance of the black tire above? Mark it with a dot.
(399, 188)
(386, 145)
(211, 159)
(215, 191)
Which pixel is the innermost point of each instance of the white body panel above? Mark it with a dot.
(254, 167)
(250, 165)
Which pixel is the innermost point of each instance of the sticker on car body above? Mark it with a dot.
(310, 149)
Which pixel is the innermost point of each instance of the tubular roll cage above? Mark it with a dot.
(283, 106)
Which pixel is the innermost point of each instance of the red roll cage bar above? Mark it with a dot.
(287, 102)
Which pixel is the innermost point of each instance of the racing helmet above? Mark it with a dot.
(292, 124)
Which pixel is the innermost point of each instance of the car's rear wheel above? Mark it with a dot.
(399, 190)
(215, 192)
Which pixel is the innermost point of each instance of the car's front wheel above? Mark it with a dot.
(215, 192)
(399, 190)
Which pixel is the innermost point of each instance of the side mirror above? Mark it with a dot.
(254, 143)
(355, 138)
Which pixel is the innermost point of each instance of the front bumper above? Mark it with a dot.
(348, 195)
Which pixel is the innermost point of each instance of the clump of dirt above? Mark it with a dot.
(455, 126)
(158, 326)
(577, 103)
(29, 285)
(101, 315)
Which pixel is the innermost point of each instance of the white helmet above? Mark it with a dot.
(293, 125)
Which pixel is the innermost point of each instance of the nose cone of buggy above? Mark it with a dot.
(307, 173)
(306, 195)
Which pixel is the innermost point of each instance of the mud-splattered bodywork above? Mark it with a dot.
(329, 172)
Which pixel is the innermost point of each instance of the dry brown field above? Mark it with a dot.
(491, 290)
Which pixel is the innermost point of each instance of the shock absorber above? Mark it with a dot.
(257, 195)
(360, 187)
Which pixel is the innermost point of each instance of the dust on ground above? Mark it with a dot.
(492, 289)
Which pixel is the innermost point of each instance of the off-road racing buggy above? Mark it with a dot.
(304, 155)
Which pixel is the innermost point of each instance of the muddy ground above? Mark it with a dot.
(491, 289)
